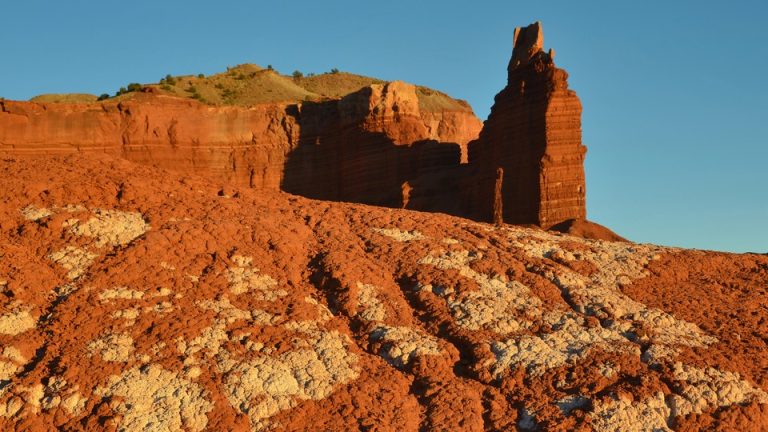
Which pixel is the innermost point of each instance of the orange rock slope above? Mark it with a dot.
(133, 298)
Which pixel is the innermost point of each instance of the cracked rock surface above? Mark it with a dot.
(134, 299)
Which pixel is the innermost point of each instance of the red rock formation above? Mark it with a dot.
(359, 148)
(381, 145)
(246, 146)
(366, 146)
(534, 134)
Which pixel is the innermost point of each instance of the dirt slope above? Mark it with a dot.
(137, 299)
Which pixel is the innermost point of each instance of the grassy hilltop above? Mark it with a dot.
(249, 84)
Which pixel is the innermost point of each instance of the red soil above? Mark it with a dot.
(134, 298)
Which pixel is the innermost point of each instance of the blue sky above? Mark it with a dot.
(675, 94)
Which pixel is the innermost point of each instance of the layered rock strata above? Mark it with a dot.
(381, 145)
(362, 147)
(372, 145)
(534, 134)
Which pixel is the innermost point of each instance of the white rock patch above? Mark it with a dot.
(243, 277)
(112, 227)
(120, 293)
(617, 264)
(209, 340)
(400, 344)
(160, 308)
(113, 347)
(11, 362)
(152, 398)
(129, 315)
(499, 305)
(570, 341)
(58, 393)
(368, 303)
(32, 213)
(263, 386)
(399, 235)
(403, 344)
(622, 415)
(707, 388)
(229, 313)
(17, 321)
(74, 259)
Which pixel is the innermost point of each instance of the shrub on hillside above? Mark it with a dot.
(297, 74)
(103, 96)
(132, 87)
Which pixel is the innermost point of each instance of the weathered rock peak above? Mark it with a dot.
(529, 158)
(526, 43)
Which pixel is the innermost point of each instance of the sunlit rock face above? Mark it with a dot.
(364, 147)
(529, 158)
(388, 144)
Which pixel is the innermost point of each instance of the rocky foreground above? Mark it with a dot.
(137, 299)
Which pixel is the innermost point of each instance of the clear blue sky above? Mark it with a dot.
(675, 94)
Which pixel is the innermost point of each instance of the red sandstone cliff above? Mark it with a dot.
(225, 142)
(533, 135)
(358, 148)
(385, 144)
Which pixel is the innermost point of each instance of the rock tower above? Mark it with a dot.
(533, 135)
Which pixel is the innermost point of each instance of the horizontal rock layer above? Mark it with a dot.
(362, 147)
(533, 135)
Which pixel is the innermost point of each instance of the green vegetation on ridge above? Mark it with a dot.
(249, 84)
(64, 98)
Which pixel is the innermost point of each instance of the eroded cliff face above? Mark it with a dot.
(246, 146)
(358, 148)
(390, 144)
(533, 137)
(374, 146)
